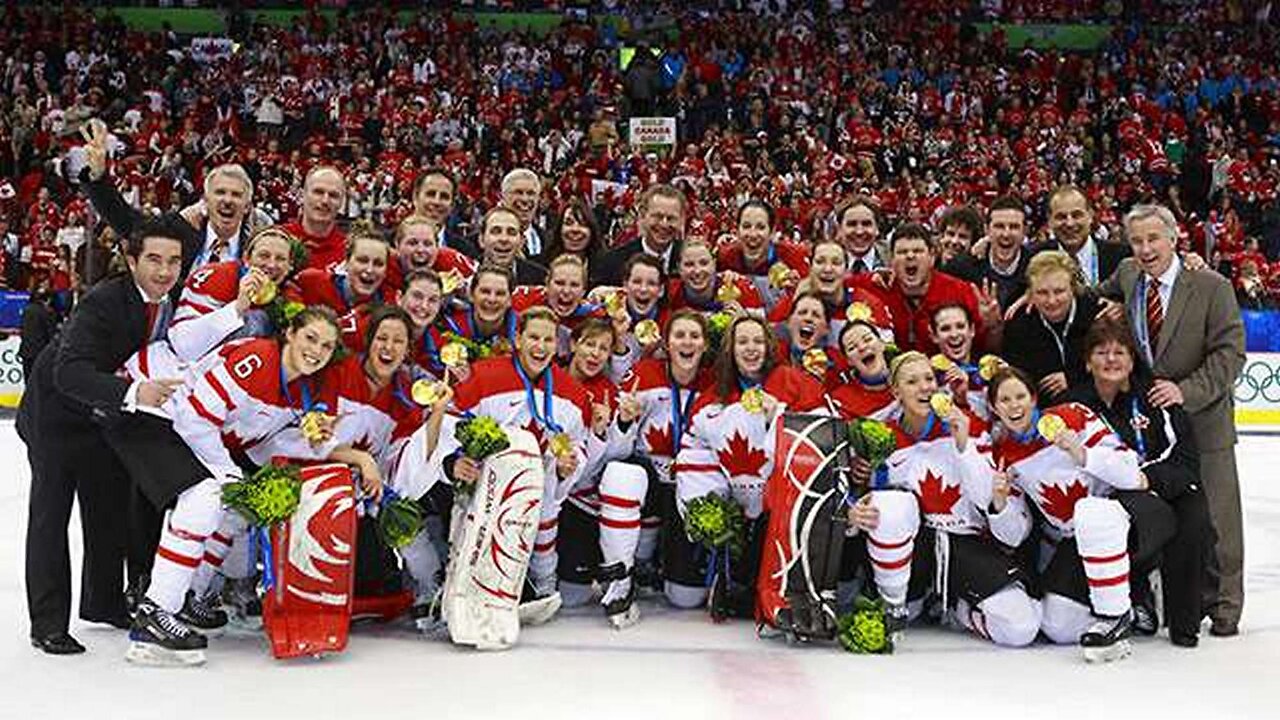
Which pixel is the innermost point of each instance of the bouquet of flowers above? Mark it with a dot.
(872, 441)
(282, 311)
(717, 324)
(269, 497)
(399, 522)
(717, 523)
(481, 437)
(863, 630)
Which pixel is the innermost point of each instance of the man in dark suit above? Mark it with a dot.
(74, 393)
(661, 225)
(501, 244)
(216, 231)
(1071, 222)
(1188, 328)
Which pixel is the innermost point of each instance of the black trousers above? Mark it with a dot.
(75, 465)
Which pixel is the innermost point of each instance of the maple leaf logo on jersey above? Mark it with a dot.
(936, 496)
(1060, 503)
(739, 458)
(659, 440)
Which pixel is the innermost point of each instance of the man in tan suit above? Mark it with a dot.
(1188, 326)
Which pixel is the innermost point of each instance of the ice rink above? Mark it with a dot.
(672, 665)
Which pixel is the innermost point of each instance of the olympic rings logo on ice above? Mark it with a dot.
(1260, 380)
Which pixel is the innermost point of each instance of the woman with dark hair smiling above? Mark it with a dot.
(1118, 391)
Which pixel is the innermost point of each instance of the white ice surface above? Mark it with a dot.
(672, 665)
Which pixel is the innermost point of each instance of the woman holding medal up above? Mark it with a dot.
(773, 266)
(943, 463)
(245, 394)
(1099, 522)
(729, 445)
(528, 390)
(487, 325)
(634, 312)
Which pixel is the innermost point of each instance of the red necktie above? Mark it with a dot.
(153, 314)
(1155, 314)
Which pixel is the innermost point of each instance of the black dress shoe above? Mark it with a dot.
(1224, 628)
(57, 644)
(1184, 639)
(120, 621)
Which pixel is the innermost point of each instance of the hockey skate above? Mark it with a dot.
(895, 622)
(158, 638)
(203, 614)
(619, 599)
(244, 607)
(427, 617)
(1107, 639)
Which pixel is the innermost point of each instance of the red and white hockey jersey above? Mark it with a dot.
(1052, 479)
(314, 286)
(953, 487)
(725, 440)
(239, 401)
(206, 314)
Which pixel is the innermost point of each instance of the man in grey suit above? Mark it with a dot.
(1188, 326)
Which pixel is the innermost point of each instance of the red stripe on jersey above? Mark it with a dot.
(619, 502)
(693, 467)
(202, 412)
(202, 309)
(213, 560)
(221, 538)
(174, 557)
(220, 390)
(890, 546)
(1110, 558)
(548, 524)
(892, 565)
(544, 547)
(1097, 437)
(620, 524)
(1108, 582)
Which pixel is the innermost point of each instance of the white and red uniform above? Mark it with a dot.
(953, 490)
(233, 401)
(527, 296)
(1075, 503)
(206, 315)
(677, 299)
(729, 450)
(354, 326)
(551, 403)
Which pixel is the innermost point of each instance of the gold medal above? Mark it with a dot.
(450, 281)
(753, 400)
(453, 355)
(941, 363)
(815, 361)
(988, 366)
(942, 404)
(312, 427)
(728, 293)
(265, 294)
(648, 332)
(1049, 426)
(427, 392)
(615, 302)
(858, 311)
(561, 445)
(779, 273)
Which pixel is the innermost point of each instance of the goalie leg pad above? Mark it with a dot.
(492, 537)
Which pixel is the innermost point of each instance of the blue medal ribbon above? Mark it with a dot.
(1030, 433)
(1140, 442)
(547, 418)
(679, 414)
(307, 404)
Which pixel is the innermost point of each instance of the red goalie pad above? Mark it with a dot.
(307, 611)
(803, 498)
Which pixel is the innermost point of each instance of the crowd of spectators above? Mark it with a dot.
(906, 104)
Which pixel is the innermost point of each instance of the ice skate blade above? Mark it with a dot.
(624, 619)
(153, 655)
(537, 612)
(1110, 653)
